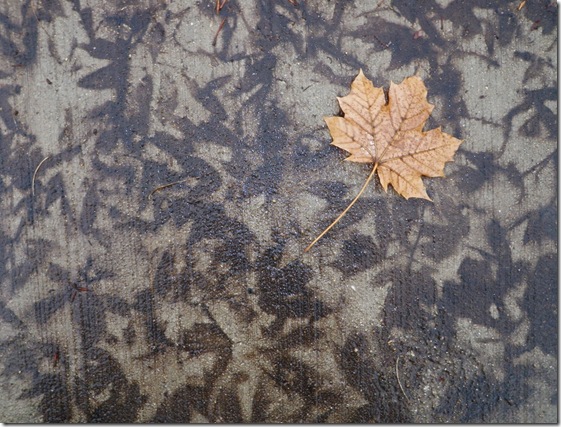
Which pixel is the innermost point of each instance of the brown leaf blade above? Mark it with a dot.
(390, 135)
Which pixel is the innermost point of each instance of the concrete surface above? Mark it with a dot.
(195, 303)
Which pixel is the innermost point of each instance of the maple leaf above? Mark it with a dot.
(390, 135)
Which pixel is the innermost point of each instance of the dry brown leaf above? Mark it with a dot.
(390, 135)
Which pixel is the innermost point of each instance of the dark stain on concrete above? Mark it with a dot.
(257, 280)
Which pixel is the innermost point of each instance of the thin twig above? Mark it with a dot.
(35, 174)
(217, 32)
(346, 210)
(161, 187)
(397, 375)
(384, 45)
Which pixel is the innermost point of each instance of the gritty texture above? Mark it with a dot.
(194, 302)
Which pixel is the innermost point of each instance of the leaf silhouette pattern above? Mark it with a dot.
(194, 305)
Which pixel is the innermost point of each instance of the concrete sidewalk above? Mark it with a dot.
(195, 302)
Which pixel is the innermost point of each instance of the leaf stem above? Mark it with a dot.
(346, 209)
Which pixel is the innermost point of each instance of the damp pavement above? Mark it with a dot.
(125, 299)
